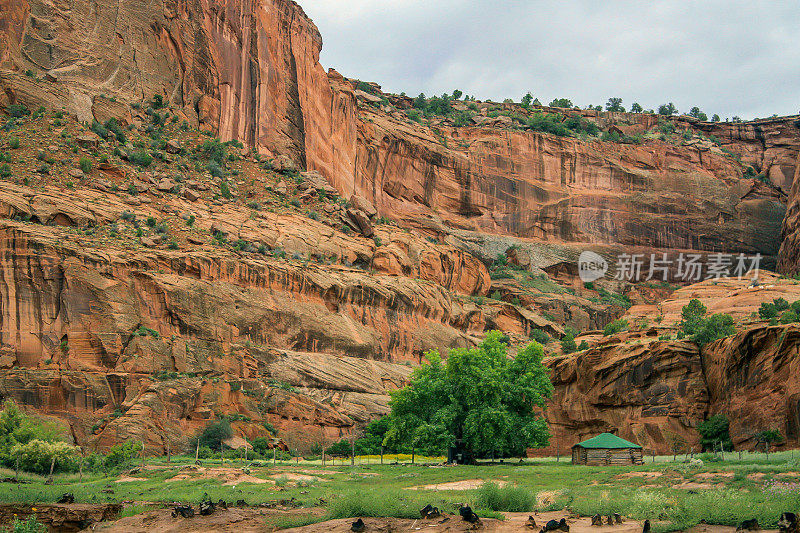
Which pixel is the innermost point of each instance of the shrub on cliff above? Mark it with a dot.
(568, 343)
(712, 328)
(540, 336)
(667, 109)
(692, 314)
(767, 310)
(615, 327)
(480, 397)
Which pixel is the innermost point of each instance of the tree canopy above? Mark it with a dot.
(614, 104)
(480, 396)
(715, 432)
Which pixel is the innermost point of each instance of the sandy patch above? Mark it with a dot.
(467, 484)
(788, 474)
(547, 497)
(128, 479)
(693, 485)
(229, 476)
(295, 477)
(712, 475)
(320, 472)
(648, 475)
(756, 476)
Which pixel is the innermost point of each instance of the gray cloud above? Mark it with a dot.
(727, 57)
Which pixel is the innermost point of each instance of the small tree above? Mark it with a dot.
(636, 107)
(561, 102)
(526, 100)
(614, 104)
(667, 109)
(457, 94)
(715, 432)
(568, 343)
(696, 113)
(767, 437)
(715, 118)
(677, 444)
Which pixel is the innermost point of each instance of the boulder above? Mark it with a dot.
(359, 221)
(190, 195)
(166, 185)
(362, 204)
(174, 146)
(284, 164)
(88, 140)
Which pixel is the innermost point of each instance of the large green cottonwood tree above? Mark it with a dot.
(481, 396)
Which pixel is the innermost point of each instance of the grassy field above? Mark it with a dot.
(676, 494)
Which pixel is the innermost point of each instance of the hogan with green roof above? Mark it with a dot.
(606, 449)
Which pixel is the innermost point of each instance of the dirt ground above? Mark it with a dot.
(256, 520)
(466, 484)
(230, 476)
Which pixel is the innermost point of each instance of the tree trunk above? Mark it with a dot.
(353, 453)
(274, 455)
(381, 454)
(52, 466)
(197, 452)
(412, 455)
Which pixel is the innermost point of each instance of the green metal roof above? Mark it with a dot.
(607, 440)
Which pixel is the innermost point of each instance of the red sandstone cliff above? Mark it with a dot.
(91, 326)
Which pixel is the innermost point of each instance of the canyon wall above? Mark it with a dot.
(122, 343)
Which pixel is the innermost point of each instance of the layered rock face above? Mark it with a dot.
(249, 71)
(245, 70)
(547, 188)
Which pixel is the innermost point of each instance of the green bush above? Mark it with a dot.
(213, 434)
(37, 455)
(715, 432)
(540, 336)
(583, 345)
(781, 304)
(615, 327)
(568, 343)
(508, 498)
(225, 190)
(215, 169)
(141, 158)
(85, 164)
(13, 142)
(789, 317)
(715, 327)
(121, 455)
(767, 310)
(18, 110)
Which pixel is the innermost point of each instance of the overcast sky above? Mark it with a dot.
(728, 57)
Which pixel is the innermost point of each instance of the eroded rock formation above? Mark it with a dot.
(122, 342)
